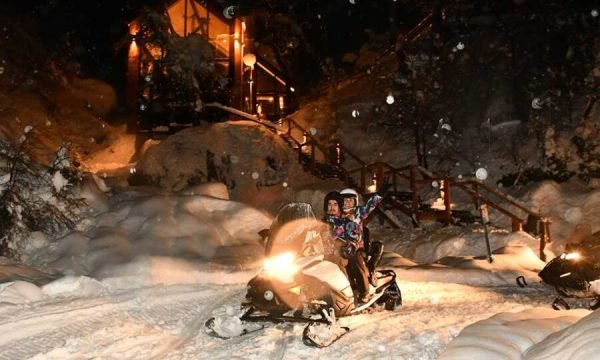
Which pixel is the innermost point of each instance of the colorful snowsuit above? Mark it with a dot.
(354, 228)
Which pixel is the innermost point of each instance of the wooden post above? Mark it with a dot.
(379, 175)
(447, 201)
(517, 224)
(414, 195)
(544, 236)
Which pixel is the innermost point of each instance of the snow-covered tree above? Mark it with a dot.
(35, 198)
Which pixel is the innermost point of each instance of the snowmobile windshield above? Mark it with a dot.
(295, 229)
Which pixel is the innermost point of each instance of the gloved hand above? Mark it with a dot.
(349, 250)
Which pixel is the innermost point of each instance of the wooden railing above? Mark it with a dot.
(416, 178)
(367, 178)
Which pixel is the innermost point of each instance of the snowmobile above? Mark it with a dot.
(575, 273)
(299, 282)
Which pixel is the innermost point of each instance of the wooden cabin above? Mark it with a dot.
(257, 85)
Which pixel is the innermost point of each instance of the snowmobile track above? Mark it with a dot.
(194, 327)
(155, 308)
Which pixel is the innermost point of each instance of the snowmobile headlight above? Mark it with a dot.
(281, 267)
(571, 256)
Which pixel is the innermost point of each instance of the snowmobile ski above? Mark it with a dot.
(560, 304)
(322, 335)
(224, 329)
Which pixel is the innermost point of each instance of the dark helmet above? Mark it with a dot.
(333, 195)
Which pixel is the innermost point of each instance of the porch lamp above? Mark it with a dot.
(249, 60)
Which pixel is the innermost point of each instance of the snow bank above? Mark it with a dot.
(153, 270)
(507, 336)
(90, 93)
(19, 292)
(508, 263)
(460, 241)
(192, 227)
(568, 205)
(577, 342)
(74, 286)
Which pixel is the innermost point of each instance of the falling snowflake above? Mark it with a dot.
(92, 140)
(255, 175)
(28, 128)
(147, 78)
(481, 174)
(104, 175)
(143, 107)
(594, 12)
(243, 173)
(459, 176)
(460, 46)
(380, 154)
(1, 70)
(390, 99)
(536, 103)
(48, 122)
(355, 113)
(457, 164)
(132, 170)
(313, 131)
(234, 159)
(285, 184)
(229, 12)
(447, 127)
(352, 2)
(435, 184)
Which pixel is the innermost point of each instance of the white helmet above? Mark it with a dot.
(350, 194)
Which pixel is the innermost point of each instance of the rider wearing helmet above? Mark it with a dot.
(356, 215)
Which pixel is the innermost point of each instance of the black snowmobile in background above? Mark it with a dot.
(576, 272)
(299, 283)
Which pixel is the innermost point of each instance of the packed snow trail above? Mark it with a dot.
(166, 322)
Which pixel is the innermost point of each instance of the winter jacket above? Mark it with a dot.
(337, 226)
(354, 228)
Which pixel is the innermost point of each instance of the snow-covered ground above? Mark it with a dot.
(153, 301)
